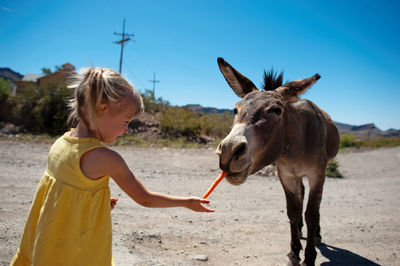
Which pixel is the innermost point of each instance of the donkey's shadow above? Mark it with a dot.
(338, 256)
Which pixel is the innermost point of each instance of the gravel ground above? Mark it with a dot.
(360, 214)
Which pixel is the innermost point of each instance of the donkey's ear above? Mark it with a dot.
(239, 83)
(291, 90)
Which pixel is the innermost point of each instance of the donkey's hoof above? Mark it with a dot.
(294, 260)
(309, 261)
(307, 264)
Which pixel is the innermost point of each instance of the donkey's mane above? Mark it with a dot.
(272, 80)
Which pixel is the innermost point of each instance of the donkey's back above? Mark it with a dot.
(309, 132)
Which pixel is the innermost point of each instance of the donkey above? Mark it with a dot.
(275, 126)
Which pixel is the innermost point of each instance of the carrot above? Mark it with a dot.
(214, 185)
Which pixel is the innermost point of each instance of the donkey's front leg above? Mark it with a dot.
(312, 218)
(294, 202)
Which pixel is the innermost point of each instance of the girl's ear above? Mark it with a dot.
(103, 108)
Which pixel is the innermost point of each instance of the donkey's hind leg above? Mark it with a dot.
(312, 216)
(302, 200)
(294, 203)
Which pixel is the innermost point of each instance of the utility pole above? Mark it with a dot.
(154, 83)
(125, 38)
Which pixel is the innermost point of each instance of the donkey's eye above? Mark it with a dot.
(275, 110)
(235, 111)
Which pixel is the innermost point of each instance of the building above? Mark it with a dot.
(60, 75)
(30, 81)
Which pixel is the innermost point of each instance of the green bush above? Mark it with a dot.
(177, 122)
(153, 104)
(381, 142)
(332, 170)
(181, 122)
(5, 104)
(5, 87)
(44, 109)
(347, 140)
(217, 125)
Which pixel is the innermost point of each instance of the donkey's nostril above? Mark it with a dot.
(219, 149)
(239, 150)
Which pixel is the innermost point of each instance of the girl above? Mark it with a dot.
(69, 222)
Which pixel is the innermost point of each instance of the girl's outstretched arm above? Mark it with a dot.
(99, 162)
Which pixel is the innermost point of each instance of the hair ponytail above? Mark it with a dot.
(94, 86)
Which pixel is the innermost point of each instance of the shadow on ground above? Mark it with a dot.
(338, 256)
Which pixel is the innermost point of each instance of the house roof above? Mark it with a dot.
(32, 77)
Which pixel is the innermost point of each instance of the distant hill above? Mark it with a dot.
(362, 131)
(366, 131)
(9, 74)
(206, 110)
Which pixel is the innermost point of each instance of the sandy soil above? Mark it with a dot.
(360, 214)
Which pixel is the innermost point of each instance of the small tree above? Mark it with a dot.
(5, 86)
(153, 104)
(44, 109)
(46, 70)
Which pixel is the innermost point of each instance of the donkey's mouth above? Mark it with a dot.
(237, 179)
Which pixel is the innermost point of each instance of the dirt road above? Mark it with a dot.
(360, 214)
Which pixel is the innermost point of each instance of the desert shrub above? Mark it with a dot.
(347, 140)
(182, 122)
(332, 170)
(381, 142)
(5, 87)
(217, 125)
(153, 104)
(177, 122)
(44, 109)
(5, 104)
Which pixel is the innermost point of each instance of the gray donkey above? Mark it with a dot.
(275, 126)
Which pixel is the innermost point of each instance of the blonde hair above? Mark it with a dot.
(94, 86)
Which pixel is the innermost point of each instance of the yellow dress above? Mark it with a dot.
(69, 222)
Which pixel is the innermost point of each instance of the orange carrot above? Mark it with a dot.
(216, 182)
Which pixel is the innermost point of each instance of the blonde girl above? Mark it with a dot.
(70, 222)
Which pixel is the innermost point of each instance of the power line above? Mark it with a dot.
(125, 38)
(138, 81)
(154, 83)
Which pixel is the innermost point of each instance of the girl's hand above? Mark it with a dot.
(196, 204)
(113, 202)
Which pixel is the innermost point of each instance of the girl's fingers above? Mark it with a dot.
(205, 209)
(204, 201)
(113, 202)
(208, 209)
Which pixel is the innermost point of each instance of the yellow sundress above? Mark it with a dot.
(69, 222)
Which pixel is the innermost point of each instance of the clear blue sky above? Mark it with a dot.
(353, 45)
